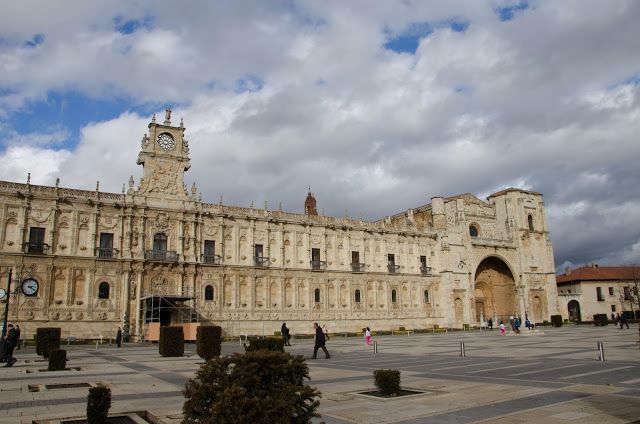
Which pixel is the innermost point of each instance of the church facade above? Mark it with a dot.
(156, 254)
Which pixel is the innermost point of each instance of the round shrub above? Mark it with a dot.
(261, 387)
(208, 341)
(387, 381)
(98, 404)
(171, 341)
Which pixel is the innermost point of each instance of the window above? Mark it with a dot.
(391, 259)
(627, 293)
(423, 261)
(315, 258)
(316, 295)
(208, 293)
(36, 240)
(258, 251)
(160, 242)
(613, 308)
(209, 252)
(103, 291)
(426, 296)
(599, 295)
(105, 251)
(530, 220)
(394, 296)
(473, 231)
(355, 257)
(357, 296)
(610, 291)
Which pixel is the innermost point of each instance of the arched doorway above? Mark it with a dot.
(574, 310)
(494, 291)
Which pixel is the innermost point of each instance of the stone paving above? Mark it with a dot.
(549, 376)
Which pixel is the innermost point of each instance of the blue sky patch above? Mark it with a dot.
(71, 111)
(132, 25)
(508, 13)
(408, 40)
(248, 83)
(35, 41)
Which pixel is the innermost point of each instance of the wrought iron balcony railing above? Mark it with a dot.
(211, 259)
(425, 270)
(106, 253)
(36, 248)
(393, 269)
(319, 265)
(357, 267)
(161, 255)
(260, 261)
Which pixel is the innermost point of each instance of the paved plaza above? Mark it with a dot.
(551, 376)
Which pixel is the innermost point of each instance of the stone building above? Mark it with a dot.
(156, 254)
(589, 290)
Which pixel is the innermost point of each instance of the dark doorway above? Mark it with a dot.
(574, 310)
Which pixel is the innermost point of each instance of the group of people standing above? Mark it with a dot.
(9, 343)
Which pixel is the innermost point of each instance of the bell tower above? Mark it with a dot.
(164, 156)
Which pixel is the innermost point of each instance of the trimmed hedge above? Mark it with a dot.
(171, 341)
(276, 345)
(98, 404)
(57, 360)
(262, 387)
(556, 320)
(47, 339)
(387, 381)
(208, 341)
(600, 319)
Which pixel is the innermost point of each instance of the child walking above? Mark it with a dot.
(367, 336)
(503, 329)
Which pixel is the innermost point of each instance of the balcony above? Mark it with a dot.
(211, 259)
(318, 265)
(260, 261)
(393, 269)
(36, 248)
(425, 270)
(357, 267)
(106, 253)
(161, 255)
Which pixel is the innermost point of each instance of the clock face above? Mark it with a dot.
(166, 142)
(3, 293)
(30, 287)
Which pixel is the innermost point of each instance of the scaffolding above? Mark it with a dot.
(163, 310)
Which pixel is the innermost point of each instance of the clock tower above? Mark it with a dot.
(164, 156)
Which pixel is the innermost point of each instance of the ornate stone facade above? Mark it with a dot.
(99, 257)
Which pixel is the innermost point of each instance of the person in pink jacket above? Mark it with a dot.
(367, 336)
(503, 329)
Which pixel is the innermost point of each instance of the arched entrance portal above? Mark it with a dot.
(574, 310)
(494, 291)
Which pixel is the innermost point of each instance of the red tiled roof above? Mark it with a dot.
(589, 273)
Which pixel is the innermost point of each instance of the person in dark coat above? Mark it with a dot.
(490, 324)
(319, 342)
(119, 337)
(18, 337)
(286, 336)
(10, 344)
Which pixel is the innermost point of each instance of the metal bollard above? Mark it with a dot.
(600, 351)
(375, 347)
(462, 352)
(97, 342)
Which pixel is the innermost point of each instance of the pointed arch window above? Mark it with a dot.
(208, 293)
(426, 296)
(357, 296)
(316, 295)
(103, 290)
(394, 296)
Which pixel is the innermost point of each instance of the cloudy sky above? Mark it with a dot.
(378, 106)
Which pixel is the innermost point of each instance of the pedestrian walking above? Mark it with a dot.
(623, 321)
(10, 344)
(503, 329)
(319, 342)
(516, 325)
(119, 337)
(490, 324)
(286, 335)
(18, 341)
(367, 336)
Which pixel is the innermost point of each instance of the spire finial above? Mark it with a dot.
(153, 119)
(29, 178)
(58, 182)
(167, 116)
(97, 185)
(181, 123)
